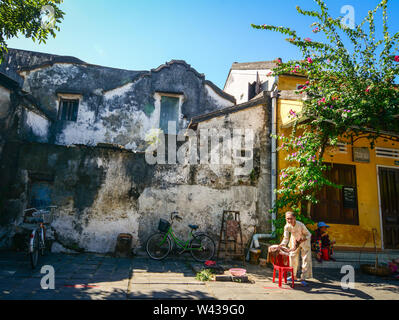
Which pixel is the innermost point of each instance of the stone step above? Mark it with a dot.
(365, 255)
(355, 259)
(339, 264)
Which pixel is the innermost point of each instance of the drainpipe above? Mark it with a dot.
(273, 182)
(274, 95)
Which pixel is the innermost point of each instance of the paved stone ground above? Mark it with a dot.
(90, 276)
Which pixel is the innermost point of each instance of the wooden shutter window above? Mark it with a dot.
(68, 110)
(339, 206)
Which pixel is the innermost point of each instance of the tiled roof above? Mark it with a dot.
(259, 65)
(262, 98)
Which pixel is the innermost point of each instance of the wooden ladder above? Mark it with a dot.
(226, 242)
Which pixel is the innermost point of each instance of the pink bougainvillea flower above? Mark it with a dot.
(315, 30)
(307, 82)
(295, 69)
(396, 58)
(323, 100)
(308, 40)
(310, 60)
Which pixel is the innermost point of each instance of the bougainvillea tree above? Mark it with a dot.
(26, 18)
(350, 94)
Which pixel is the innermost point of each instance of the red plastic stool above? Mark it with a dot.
(281, 265)
(282, 272)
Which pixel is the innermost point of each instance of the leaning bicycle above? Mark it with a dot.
(199, 244)
(37, 238)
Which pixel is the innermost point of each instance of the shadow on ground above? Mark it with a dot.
(169, 279)
(81, 276)
(170, 294)
(326, 281)
(92, 276)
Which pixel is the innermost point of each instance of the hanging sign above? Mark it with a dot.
(361, 155)
(349, 197)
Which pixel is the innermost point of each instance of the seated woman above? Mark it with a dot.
(320, 240)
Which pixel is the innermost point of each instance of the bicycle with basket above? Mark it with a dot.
(36, 221)
(199, 244)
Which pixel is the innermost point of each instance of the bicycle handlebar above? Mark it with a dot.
(41, 211)
(174, 215)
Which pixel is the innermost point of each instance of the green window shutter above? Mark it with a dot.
(169, 112)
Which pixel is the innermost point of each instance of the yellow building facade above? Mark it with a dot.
(369, 201)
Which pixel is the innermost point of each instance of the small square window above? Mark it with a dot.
(68, 110)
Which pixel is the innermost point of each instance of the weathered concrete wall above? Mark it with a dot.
(5, 111)
(102, 192)
(9, 115)
(257, 119)
(5, 105)
(17, 121)
(115, 106)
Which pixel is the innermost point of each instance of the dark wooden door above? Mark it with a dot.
(338, 205)
(40, 194)
(389, 193)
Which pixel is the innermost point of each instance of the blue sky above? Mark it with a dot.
(208, 34)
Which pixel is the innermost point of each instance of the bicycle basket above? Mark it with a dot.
(46, 215)
(48, 218)
(163, 225)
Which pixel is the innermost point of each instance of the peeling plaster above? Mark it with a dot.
(38, 125)
(102, 192)
(4, 102)
(218, 100)
(125, 113)
(118, 92)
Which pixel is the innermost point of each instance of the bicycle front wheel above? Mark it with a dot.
(202, 248)
(158, 246)
(34, 254)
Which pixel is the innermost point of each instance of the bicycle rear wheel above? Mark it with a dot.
(158, 247)
(202, 248)
(42, 242)
(34, 254)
